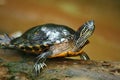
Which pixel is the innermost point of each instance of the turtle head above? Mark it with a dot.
(83, 33)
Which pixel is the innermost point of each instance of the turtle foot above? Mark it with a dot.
(40, 63)
(84, 56)
(39, 67)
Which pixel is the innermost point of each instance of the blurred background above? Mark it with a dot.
(20, 15)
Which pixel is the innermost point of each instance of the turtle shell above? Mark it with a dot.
(40, 38)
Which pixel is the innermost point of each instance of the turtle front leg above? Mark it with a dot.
(40, 63)
(84, 56)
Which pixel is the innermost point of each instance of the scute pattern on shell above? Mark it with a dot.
(44, 35)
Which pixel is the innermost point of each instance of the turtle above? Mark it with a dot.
(51, 41)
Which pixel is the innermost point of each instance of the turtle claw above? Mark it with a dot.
(38, 67)
(39, 64)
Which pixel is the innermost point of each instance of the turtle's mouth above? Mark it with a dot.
(83, 33)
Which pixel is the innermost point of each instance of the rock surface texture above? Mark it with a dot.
(57, 69)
